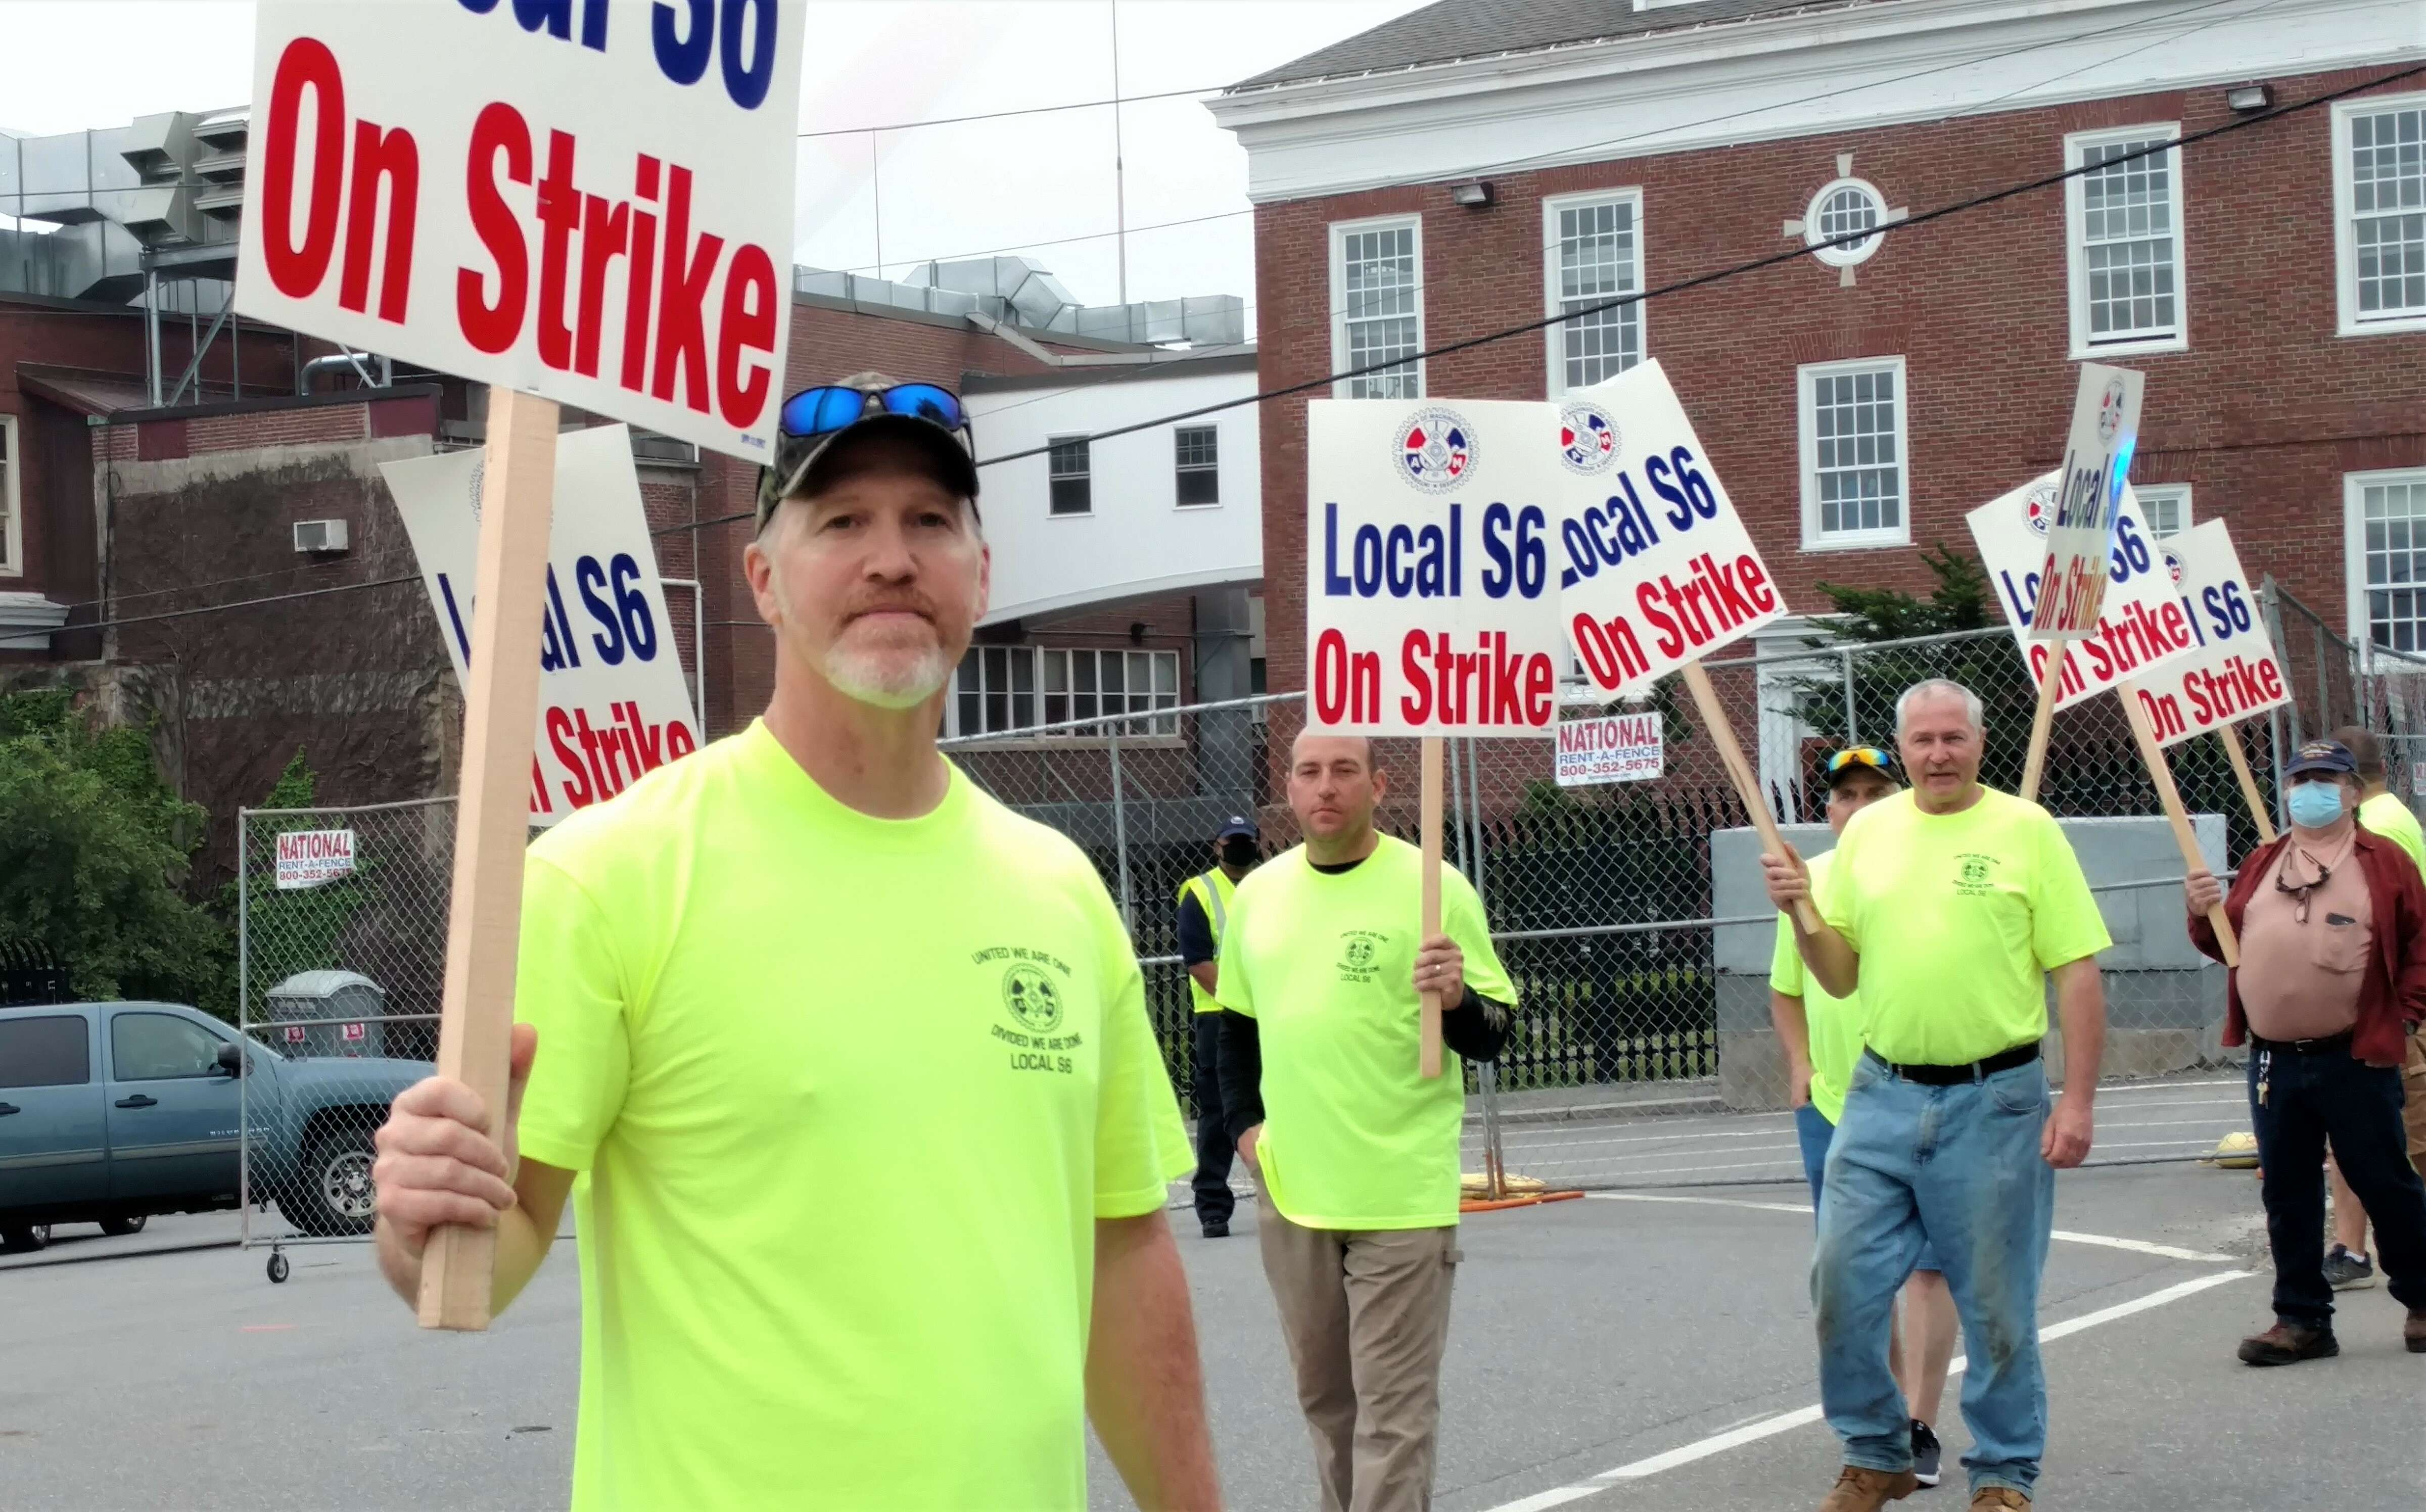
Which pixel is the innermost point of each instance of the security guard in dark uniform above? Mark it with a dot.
(1204, 909)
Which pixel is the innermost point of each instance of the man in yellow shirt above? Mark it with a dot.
(2380, 812)
(1822, 1036)
(1203, 918)
(1321, 968)
(1945, 909)
(853, 1062)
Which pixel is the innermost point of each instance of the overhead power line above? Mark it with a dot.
(1024, 110)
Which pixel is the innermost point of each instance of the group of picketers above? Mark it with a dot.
(847, 1073)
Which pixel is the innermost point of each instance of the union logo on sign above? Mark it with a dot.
(2174, 568)
(2039, 506)
(2110, 410)
(1435, 450)
(1587, 439)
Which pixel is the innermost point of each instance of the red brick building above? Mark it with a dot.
(1476, 166)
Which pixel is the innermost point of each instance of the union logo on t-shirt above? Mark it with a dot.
(1974, 873)
(1359, 950)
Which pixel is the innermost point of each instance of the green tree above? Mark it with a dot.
(94, 850)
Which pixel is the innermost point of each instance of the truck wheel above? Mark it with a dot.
(121, 1228)
(23, 1238)
(333, 1192)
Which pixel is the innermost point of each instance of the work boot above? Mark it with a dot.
(2288, 1344)
(1999, 1499)
(2413, 1332)
(1862, 1490)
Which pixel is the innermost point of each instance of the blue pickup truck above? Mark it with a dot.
(110, 1112)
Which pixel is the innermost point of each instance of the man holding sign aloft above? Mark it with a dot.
(855, 1061)
(1945, 909)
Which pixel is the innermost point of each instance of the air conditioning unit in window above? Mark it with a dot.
(318, 537)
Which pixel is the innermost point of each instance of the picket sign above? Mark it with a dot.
(2143, 633)
(2236, 673)
(582, 202)
(1430, 605)
(1658, 571)
(2080, 531)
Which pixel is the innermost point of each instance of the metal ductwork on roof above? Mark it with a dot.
(1016, 292)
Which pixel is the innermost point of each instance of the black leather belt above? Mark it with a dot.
(2336, 1044)
(1950, 1075)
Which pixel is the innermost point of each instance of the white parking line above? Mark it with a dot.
(2138, 1246)
(1784, 1421)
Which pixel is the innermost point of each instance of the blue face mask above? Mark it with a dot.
(2315, 805)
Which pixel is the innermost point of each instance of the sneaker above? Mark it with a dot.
(1217, 1229)
(1999, 1499)
(1861, 1489)
(2413, 1332)
(2346, 1272)
(1926, 1453)
(2288, 1344)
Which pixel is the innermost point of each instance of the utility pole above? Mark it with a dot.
(1119, 179)
(875, 193)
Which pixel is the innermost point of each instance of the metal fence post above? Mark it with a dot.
(1121, 835)
(1853, 714)
(243, 1023)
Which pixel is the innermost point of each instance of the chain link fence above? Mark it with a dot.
(341, 954)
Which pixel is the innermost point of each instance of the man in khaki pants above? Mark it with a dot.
(1319, 975)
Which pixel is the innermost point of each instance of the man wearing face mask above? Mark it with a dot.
(1204, 911)
(2332, 978)
(855, 1060)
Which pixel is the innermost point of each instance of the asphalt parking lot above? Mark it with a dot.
(1633, 1350)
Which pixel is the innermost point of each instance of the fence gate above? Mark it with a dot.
(341, 951)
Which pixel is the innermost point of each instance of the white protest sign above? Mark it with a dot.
(2096, 460)
(2234, 671)
(307, 857)
(585, 199)
(1655, 569)
(1431, 608)
(612, 703)
(1620, 747)
(2142, 627)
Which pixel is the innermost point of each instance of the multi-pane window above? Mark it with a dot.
(1196, 455)
(1377, 298)
(1595, 255)
(2125, 214)
(1853, 487)
(2390, 513)
(2167, 506)
(9, 544)
(1066, 469)
(1003, 690)
(1844, 208)
(2380, 188)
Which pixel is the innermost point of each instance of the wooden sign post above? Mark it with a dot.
(1431, 785)
(2161, 772)
(1739, 773)
(2238, 754)
(2043, 722)
(492, 814)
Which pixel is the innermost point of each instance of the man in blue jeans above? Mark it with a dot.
(1822, 1036)
(1945, 909)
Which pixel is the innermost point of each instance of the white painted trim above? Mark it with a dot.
(1338, 232)
(1554, 358)
(2075, 228)
(13, 495)
(1775, 78)
(1852, 254)
(2345, 244)
(2361, 633)
(1807, 451)
(2147, 491)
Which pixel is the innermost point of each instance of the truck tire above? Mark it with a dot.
(23, 1238)
(331, 1193)
(120, 1227)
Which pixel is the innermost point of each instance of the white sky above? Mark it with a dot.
(1015, 184)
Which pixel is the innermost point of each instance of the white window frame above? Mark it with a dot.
(1806, 379)
(13, 495)
(2345, 243)
(1553, 337)
(1179, 468)
(1053, 443)
(2076, 149)
(2148, 493)
(2354, 487)
(1142, 726)
(1850, 254)
(1339, 232)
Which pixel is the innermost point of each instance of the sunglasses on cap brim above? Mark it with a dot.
(832, 407)
(1870, 757)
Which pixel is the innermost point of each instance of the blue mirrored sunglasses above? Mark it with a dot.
(1870, 756)
(829, 406)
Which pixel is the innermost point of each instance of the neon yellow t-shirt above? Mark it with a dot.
(1354, 1136)
(849, 1094)
(1957, 918)
(1835, 1023)
(2385, 814)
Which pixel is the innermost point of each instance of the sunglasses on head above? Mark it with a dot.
(831, 407)
(1870, 756)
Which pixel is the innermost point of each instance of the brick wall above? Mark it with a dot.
(2263, 414)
